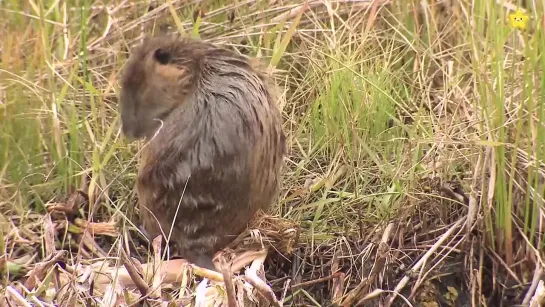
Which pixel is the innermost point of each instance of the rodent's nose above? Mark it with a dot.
(130, 132)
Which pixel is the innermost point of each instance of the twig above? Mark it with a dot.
(538, 300)
(294, 11)
(156, 284)
(113, 297)
(131, 270)
(49, 235)
(286, 287)
(505, 265)
(378, 292)
(423, 260)
(473, 205)
(206, 273)
(244, 259)
(38, 272)
(316, 281)
(259, 284)
(338, 287)
(355, 293)
(89, 242)
(228, 279)
(169, 269)
(338, 283)
(97, 228)
(363, 287)
(535, 281)
(383, 251)
(16, 296)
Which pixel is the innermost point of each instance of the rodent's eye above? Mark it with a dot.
(162, 56)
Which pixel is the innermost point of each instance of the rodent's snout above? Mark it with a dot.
(134, 129)
(127, 133)
(131, 131)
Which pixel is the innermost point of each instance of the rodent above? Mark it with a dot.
(215, 143)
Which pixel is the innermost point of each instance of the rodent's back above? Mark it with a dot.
(226, 138)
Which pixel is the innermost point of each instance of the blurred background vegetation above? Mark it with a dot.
(424, 115)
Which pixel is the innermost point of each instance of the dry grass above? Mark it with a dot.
(414, 175)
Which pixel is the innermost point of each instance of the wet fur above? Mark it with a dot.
(219, 151)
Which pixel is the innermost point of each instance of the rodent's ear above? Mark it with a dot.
(162, 56)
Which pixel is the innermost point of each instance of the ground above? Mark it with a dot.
(415, 162)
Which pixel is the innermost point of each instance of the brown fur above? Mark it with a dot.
(217, 157)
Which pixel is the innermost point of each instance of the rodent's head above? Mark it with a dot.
(156, 80)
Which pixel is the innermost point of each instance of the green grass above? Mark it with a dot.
(383, 113)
